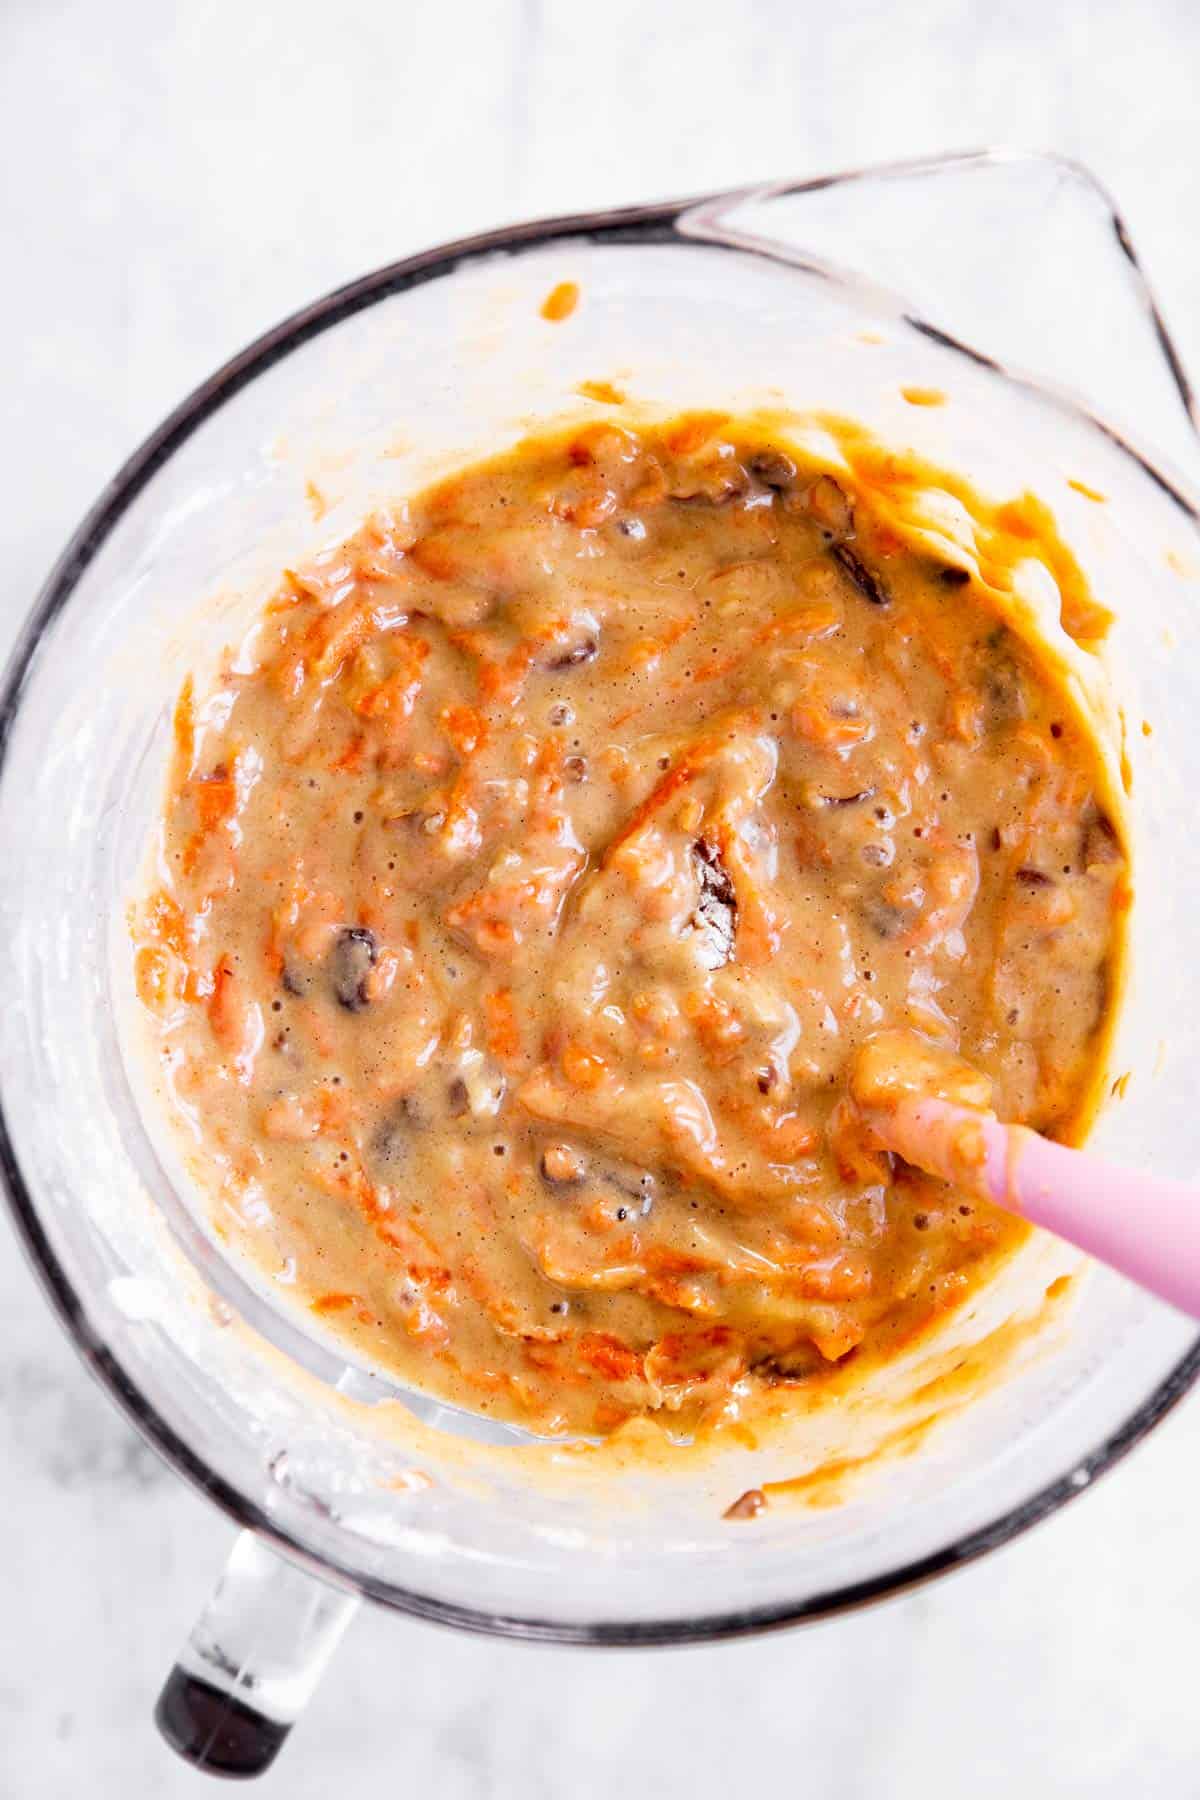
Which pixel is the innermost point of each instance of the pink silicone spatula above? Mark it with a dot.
(1142, 1225)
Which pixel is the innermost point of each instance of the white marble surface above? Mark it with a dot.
(177, 176)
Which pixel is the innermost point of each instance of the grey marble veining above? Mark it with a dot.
(178, 177)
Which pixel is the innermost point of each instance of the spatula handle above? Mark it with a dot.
(1145, 1226)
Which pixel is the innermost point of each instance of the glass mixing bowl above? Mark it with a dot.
(959, 275)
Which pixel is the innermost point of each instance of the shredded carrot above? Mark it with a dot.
(560, 302)
(215, 799)
(184, 728)
(501, 683)
(466, 728)
(352, 757)
(609, 1356)
(582, 1068)
(503, 1033)
(601, 391)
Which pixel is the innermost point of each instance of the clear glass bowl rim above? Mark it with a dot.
(656, 222)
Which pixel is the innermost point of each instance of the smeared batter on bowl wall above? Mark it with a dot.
(531, 876)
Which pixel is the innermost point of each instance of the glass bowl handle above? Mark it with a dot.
(252, 1662)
